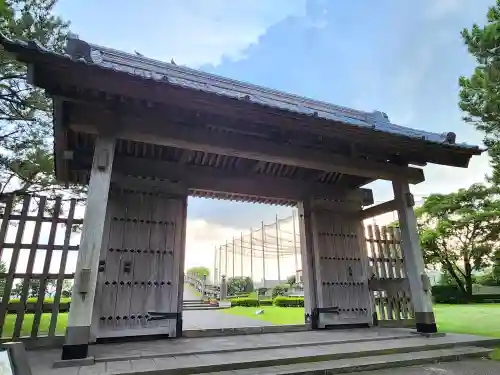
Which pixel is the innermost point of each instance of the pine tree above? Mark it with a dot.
(26, 150)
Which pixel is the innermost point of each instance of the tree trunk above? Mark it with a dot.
(460, 282)
(468, 281)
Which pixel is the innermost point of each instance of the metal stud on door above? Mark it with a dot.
(140, 277)
(343, 295)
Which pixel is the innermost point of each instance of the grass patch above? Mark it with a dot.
(495, 355)
(474, 319)
(10, 322)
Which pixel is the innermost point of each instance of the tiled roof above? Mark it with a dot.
(198, 80)
(147, 68)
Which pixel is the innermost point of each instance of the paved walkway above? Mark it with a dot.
(465, 367)
(215, 319)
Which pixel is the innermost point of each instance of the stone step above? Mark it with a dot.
(370, 363)
(255, 360)
(203, 307)
(190, 301)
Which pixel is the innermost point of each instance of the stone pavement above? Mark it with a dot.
(139, 357)
(465, 367)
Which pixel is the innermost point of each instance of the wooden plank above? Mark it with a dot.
(29, 268)
(13, 262)
(36, 276)
(46, 267)
(151, 129)
(380, 253)
(378, 209)
(10, 245)
(62, 269)
(371, 252)
(387, 253)
(60, 220)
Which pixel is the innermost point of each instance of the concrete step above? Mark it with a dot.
(368, 353)
(191, 301)
(370, 363)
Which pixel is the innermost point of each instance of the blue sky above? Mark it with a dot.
(401, 57)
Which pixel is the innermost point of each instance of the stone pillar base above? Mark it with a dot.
(425, 322)
(71, 352)
(76, 345)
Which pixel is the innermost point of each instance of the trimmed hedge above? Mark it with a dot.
(251, 302)
(453, 295)
(448, 294)
(245, 302)
(281, 301)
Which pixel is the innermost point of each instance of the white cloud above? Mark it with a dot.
(204, 32)
(192, 32)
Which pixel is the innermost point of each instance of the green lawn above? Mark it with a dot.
(10, 322)
(477, 319)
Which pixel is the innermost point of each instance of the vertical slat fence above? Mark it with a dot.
(391, 300)
(37, 263)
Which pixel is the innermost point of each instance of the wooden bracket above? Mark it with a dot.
(409, 199)
(102, 160)
(83, 283)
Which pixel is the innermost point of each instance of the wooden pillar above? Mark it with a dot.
(82, 302)
(308, 263)
(414, 261)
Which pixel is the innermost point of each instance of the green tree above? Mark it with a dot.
(198, 272)
(291, 280)
(480, 93)
(67, 288)
(239, 285)
(26, 152)
(460, 231)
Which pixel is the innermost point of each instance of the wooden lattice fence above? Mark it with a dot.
(38, 249)
(389, 281)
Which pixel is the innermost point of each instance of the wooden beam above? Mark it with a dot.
(78, 333)
(149, 128)
(218, 180)
(379, 209)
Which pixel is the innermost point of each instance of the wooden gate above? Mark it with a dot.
(38, 247)
(341, 269)
(388, 279)
(141, 266)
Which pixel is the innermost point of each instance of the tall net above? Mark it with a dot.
(268, 254)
